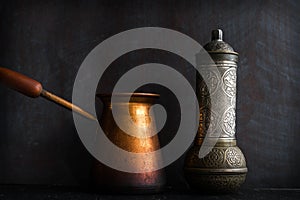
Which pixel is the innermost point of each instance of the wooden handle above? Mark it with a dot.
(20, 82)
(66, 104)
(32, 88)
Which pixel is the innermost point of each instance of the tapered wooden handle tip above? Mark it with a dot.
(20, 82)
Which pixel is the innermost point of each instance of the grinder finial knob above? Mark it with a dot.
(217, 34)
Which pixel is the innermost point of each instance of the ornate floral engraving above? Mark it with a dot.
(201, 173)
(229, 82)
(228, 122)
(207, 122)
(216, 183)
(233, 157)
(214, 159)
(210, 81)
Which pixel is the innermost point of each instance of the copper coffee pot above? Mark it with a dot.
(106, 178)
(139, 105)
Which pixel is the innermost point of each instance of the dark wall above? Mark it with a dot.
(48, 41)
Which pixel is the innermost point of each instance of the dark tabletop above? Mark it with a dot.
(55, 192)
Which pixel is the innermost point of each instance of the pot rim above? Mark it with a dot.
(125, 94)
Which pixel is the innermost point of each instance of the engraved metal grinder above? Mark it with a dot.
(223, 169)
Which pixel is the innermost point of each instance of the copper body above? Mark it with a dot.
(106, 178)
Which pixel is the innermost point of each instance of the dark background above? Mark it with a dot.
(48, 40)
